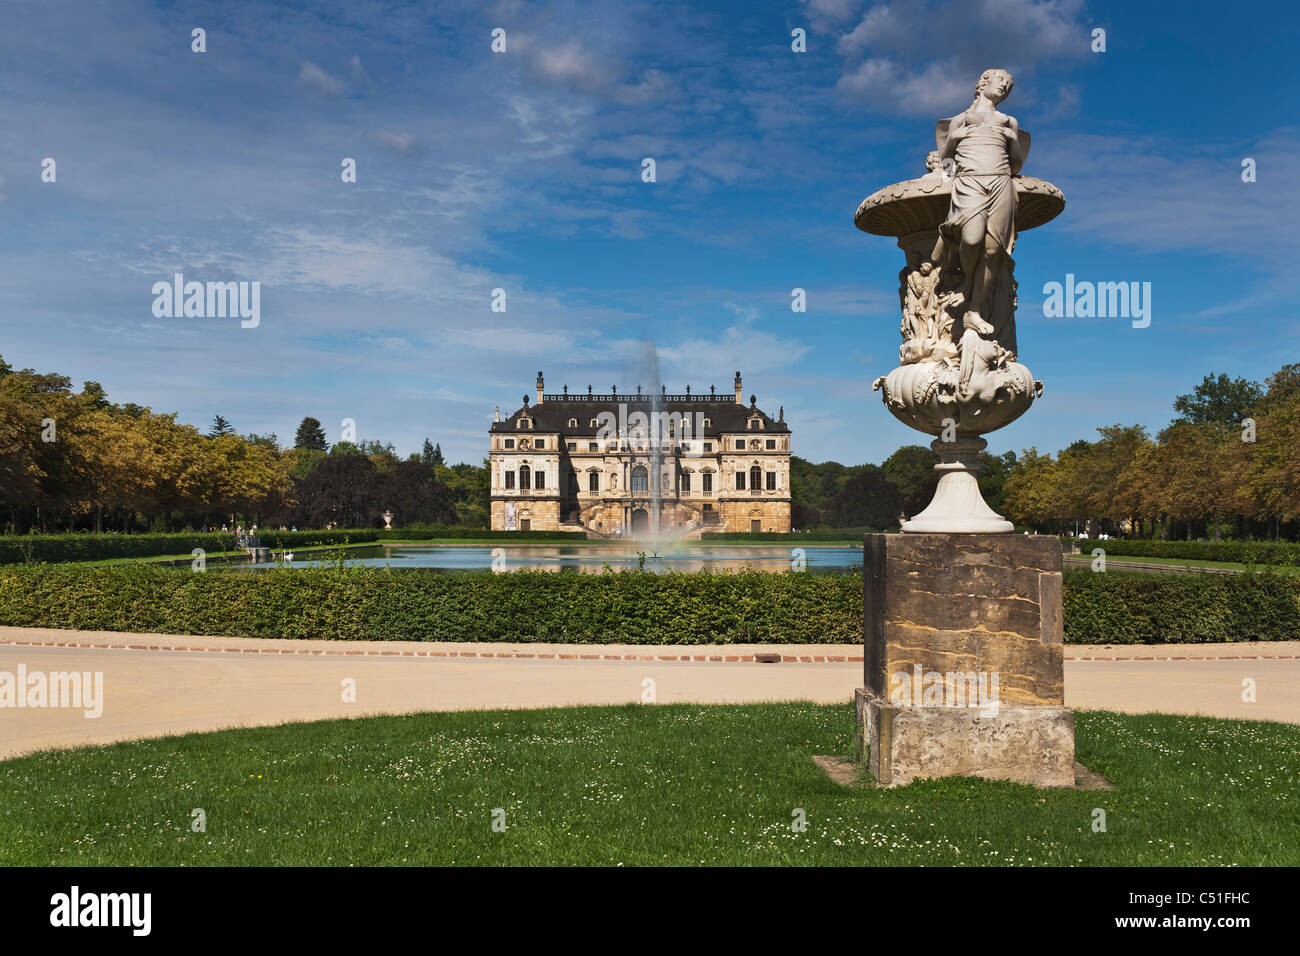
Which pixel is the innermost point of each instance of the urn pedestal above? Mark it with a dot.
(964, 665)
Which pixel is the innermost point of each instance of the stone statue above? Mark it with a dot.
(959, 374)
(986, 147)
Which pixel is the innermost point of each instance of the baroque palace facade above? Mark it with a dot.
(607, 464)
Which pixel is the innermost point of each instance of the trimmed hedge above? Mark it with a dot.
(1285, 553)
(1180, 608)
(15, 549)
(625, 607)
(19, 549)
(413, 605)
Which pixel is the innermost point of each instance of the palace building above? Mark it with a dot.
(620, 465)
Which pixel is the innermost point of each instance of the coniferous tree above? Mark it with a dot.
(310, 435)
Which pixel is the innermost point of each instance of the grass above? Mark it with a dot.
(641, 785)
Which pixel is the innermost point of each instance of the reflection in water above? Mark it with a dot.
(815, 560)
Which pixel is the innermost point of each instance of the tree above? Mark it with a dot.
(911, 469)
(1028, 491)
(220, 427)
(869, 500)
(414, 495)
(383, 454)
(1222, 400)
(300, 462)
(342, 490)
(310, 435)
(270, 440)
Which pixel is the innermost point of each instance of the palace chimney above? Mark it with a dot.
(540, 386)
(739, 398)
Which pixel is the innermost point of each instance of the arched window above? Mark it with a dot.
(640, 478)
(524, 478)
(573, 423)
(756, 478)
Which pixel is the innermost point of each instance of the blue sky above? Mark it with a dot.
(522, 171)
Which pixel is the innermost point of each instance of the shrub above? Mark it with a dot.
(1275, 553)
(380, 604)
(100, 547)
(1121, 608)
(627, 607)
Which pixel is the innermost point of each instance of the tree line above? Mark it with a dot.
(1229, 461)
(74, 460)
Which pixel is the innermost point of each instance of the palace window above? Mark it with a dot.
(524, 423)
(540, 443)
(593, 481)
(708, 446)
(593, 423)
(686, 446)
(756, 477)
(771, 444)
(740, 444)
(592, 446)
(708, 423)
(510, 479)
(510, 443)
(771, 481)
(573, 446)
(539, 480)
(573, 423)
(524, 474)
(686, 481)
(706, 482)
(740, 481)
(639, 479)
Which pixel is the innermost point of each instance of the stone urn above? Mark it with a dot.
(959, 375)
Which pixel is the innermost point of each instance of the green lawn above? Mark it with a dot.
(641, 785)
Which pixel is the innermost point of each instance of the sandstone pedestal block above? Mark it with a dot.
(964, 659)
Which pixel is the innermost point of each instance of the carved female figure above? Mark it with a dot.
(988, 149)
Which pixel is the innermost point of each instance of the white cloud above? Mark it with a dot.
(404, 143)
(319, 80)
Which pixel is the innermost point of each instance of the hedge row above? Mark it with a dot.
(615, 607)
(378, 604)
(1246, 552)
(15, 549)
(1180, 608)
